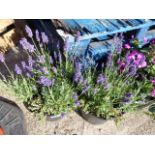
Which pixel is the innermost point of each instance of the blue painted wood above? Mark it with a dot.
(95, 33)
(101, 29)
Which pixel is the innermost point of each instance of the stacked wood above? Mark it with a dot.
(10, 33)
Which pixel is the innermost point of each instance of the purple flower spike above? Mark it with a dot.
(55, 55)
(58, 45)
(132, 70)
(44, 38)
(128, 95)
(45, 81)
(44, 70)
(75, 97)
(26, 45)
(28, 31)
(66, 44)
(78, 34)
(30, 61)
(60, 58)
(77, 103)
(23, 64)
(18, 70)
(85, 89)
(101, 79)
(28, 75)
(95, 91)
(51, 60)
(37, 36)
(54, 70)
(2, 58)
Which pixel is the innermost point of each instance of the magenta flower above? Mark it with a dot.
(145, 40)
(28, 31)
(153, 92)
(122, 66)
(153, 61)
(127, 46)
(153, 80)
(2, 58)
(137, 59)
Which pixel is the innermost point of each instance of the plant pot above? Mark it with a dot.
(48, 117)
(91, 118)
(54, 117)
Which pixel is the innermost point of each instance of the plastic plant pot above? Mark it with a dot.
(91, 118)
(11, 118)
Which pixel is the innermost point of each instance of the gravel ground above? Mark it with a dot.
(133, 123)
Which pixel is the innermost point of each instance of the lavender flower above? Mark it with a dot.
(118, 43)
(45, 81)
(129, 95)
(29, 68)
(77, 74)
(18, 70)
(28, 75)
(66, 44)
(85, 82)
(127, 98)
(58, 45)
(77, 103)
(60, 58)
(75, 97)
(51, 60)
(132, 70)
(30, 61)
(54, 70)
(41, 59)
(86, 88)
(37, 36)
(101, 79)
(95, 91)
(28, 31)
(26, 45)
(2, 58)
(44, 70)
(109, 61)
(44, 38)
(77, 39)
(55, 55)
(23, 64)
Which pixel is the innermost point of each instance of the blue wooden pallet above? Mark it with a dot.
(96, 34)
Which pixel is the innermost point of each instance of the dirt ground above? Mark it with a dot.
(133, 123)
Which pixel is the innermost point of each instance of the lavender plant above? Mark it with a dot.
(115, 89)
(42, 81)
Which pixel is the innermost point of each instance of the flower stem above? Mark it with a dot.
(8, 69)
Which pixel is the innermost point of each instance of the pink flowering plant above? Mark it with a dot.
(42, 81)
